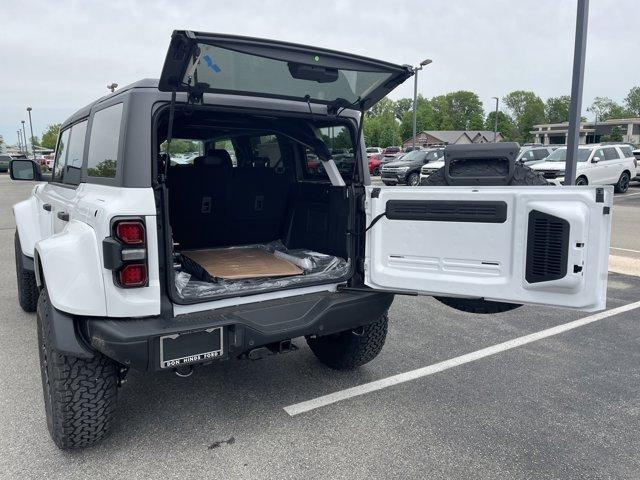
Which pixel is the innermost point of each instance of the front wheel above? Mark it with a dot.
(376, 171)
(623, 183)
(581, 181)
(79, 394)
(352, 348)
(413, 179)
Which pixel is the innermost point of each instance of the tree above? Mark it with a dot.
(605, 108)
(556, 109)
(615, 135)
(632, 102)
(461, 110)
(527, 110)
(403, 106)
(50, 136)
(506, 127)
(35, 141)
(424, 118)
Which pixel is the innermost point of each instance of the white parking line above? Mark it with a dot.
(338, 396)
(625, 249)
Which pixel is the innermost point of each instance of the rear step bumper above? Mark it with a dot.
(136, 342)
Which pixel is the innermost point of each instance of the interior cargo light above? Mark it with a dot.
(130, 232)
(133, 275)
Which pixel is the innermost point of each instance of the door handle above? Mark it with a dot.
(64, 216)
(46, 206)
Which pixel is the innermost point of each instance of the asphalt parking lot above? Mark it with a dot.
(564, 406)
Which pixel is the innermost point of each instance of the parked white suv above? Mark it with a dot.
(373, 151)
(133, 261)
(597, 165)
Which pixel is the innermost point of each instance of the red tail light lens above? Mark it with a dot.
(133, 275)
(130, 232)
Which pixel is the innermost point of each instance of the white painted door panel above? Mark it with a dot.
(443, 255)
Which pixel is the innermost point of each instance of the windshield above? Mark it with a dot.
(560, 155)
(414, 155)
(434, 155)
(229, 70)
(372, 150)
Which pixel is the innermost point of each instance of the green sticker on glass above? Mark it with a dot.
(316, 58)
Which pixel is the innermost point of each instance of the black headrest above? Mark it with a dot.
(214, 158)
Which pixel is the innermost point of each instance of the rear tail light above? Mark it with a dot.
(130, 232)
(125, 253)
(133, 275)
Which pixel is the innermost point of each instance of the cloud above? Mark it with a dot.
(59, 56)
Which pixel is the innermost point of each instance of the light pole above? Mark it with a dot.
(31, 128)
(19, 140)
(423, 64)
(24, 133)
(495, 122)
(595, 127)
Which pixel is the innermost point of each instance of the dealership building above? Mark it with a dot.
(590, 132)
(451, 137)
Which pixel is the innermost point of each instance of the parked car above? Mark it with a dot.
(636, 153)
(373, 151)
(531, 155)
(407, 169)
(596, 165)
(391, 151)
(111, 250)
(375, 162)
(4, 162)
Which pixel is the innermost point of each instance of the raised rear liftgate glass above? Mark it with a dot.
(205, 62)
(229, 70)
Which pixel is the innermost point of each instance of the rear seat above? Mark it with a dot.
(259, 197)
(199, 200)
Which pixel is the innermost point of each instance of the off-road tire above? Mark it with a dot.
(623, 183)
(79, 394)
(352, 348)
(522, 175)
(413, 180)
(27, 288)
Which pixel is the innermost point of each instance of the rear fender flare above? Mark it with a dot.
(70, 264)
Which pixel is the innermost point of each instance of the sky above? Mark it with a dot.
(59, 56)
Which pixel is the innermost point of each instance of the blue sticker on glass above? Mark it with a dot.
(211, 64)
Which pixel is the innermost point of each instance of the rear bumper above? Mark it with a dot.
(136, 342)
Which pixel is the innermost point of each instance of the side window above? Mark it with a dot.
(102, 160)
(73, 167)
(266, 149)
(626, 151)
(228, 146)
(338, 141)
(183, 151)
(611, 154)
(540, 153)
(599, 154)
(61, 156)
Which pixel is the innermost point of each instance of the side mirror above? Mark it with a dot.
(595, 159)
(24, 169)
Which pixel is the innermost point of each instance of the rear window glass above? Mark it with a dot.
(102, 160)
(626, 151)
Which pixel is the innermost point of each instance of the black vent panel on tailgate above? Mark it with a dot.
(547, 247)
(447, 211)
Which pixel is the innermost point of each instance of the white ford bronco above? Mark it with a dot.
(186, 222)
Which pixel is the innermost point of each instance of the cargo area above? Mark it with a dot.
(250, 206)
